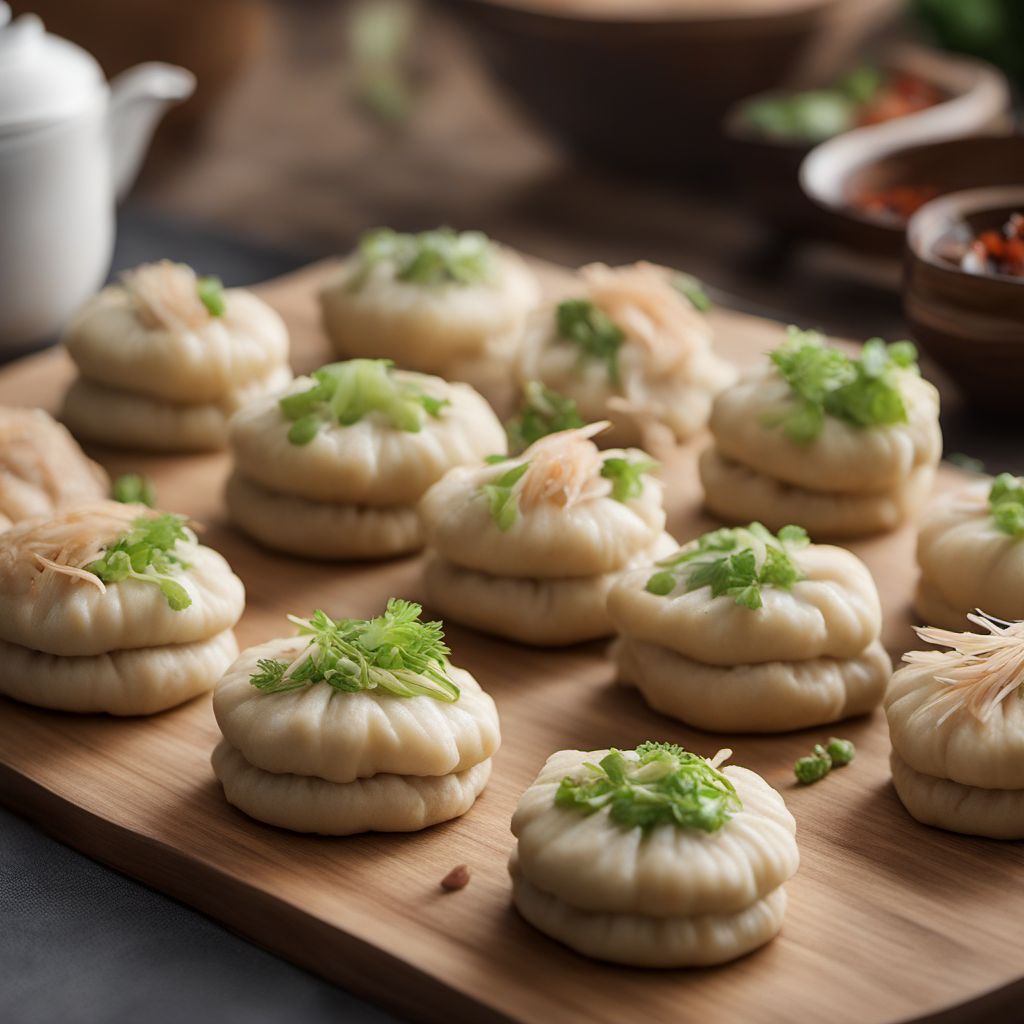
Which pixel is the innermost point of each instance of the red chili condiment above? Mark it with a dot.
(998, 252)
(895, 201)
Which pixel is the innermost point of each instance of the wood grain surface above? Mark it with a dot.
(888, 920)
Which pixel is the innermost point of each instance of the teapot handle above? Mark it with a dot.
(139, 96)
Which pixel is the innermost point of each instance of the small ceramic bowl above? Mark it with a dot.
(935, 148)
(768, 169)
(645, 84)
(971, 324)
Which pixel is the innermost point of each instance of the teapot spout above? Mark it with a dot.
(139, 97)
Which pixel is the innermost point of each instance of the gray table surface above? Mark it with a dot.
(81, 944)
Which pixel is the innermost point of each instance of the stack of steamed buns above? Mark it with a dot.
(113, 608)
(527, 547)
(334, 467)
(165, 357)
(843, 446)
(743, 630)
(354, 725)
(549, 530)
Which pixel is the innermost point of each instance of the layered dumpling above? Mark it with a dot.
(970, 548)
(354, 725)
(632, 346)
(528, 547)
(443, 302)
(113, 608)
(846, 446)
(334, 467)
(956, 720)
(743, 630)
(653, 857)
(42, 469)
(165, 357)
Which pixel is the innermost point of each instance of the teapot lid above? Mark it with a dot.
(43, 78)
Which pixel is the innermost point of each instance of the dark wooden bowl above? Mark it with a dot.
(649, 90)
(773, 191)
(971, 324)
(935, 147)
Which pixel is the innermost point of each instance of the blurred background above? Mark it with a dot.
(573, 129)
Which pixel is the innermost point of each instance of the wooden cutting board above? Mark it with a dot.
(887, 921)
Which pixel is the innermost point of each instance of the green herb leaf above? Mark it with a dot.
(134, 489)
(626, 476)
(1006, 504)
(863, 392)
(501, 496)
(581, 322)
(211, 294)
(662, 785)
(841, 752)
(146, 553)
(814, 767)
(692, 288)
(396, 652)
(543, 412)
(736, 563)
(429, 258)
(344, 393)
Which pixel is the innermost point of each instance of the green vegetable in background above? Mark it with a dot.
(990, 29)
(692, 289)
(580, 321)
(544, 411)
(1006, 504)
(663, 785)
(211, 295)
(430, 258)
(134, 489)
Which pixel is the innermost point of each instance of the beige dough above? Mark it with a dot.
(736, 494)
(966, 562)
(320, 529)
(995, 813)
(642, 941)
(384, 803)
(42, 469)
(843, 458)
(194, 362)
(988, 754)
(548, 541)
(341, 737)
(596, 865)
(369, 462)
(770, 697)
(427, 327)
(131, 682)
(668, 372)
(122, 419)
(543, 612)
(51, 612)
(833, 612)
(932, 609)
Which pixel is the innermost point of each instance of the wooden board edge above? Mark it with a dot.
(337, 956)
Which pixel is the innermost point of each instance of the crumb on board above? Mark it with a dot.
(457, 878)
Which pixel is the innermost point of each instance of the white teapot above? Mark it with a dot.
(70, 146)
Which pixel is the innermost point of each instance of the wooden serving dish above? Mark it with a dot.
(888, 920)
(936, 147)
(645, 85)
(768, 171)
(971, 324)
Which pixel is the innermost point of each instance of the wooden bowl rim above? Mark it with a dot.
(829, 166)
